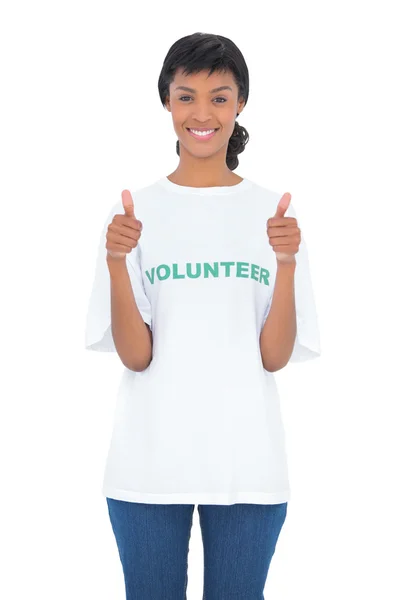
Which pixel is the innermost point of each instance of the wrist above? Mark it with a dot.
(115, 263)
(290, 264)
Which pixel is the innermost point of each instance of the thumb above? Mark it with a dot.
(283, 205)
(127, 203)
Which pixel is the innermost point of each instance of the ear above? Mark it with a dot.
(241, 106)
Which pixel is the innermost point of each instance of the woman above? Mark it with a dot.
(188, 271)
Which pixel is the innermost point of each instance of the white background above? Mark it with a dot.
(81, 120)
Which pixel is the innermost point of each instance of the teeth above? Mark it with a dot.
(202, 132)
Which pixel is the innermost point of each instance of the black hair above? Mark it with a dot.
(200, 51)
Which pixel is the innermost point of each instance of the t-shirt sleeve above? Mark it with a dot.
(98, 335)
(307, 344)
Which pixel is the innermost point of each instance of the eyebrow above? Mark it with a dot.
(218, 89)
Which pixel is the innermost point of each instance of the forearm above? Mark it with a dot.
(279, 332)
(132, 337)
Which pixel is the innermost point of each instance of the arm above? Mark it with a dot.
(132, 336)
(279, 332)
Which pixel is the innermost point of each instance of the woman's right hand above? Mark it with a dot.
(124, 231)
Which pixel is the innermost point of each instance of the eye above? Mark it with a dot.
(218, 98)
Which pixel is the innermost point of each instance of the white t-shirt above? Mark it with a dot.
(202, 424)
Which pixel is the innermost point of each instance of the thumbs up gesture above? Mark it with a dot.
(283, 233)
(124, 231)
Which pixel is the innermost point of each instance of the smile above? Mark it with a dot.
(202, 136)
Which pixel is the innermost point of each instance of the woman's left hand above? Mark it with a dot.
(283, 233)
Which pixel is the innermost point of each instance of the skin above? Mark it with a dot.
(203, 164)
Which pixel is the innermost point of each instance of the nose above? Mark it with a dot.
(202, 115)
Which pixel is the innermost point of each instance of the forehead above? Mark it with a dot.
(202, 81)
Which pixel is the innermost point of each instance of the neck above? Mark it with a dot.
(210, 171)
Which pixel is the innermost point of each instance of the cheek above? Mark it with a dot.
(227, 120)
(180, 118)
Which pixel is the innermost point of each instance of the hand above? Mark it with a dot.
(284, 235)
(124, 231)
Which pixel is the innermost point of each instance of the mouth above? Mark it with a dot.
(202, 136)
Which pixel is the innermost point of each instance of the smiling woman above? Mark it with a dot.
(213, 72)
(198, 417)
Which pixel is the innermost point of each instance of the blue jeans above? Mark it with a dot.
(153, 544)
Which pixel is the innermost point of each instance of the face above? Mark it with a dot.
(201, 107)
